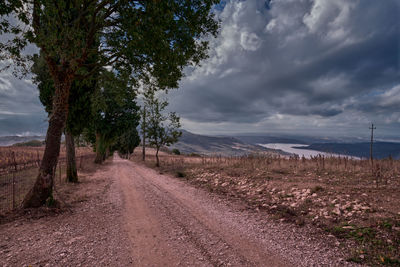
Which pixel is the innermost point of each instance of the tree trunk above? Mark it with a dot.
(158, 160)
(72, 174)
(144, 134)
(43, 187)
(99, 154)
(108, 153)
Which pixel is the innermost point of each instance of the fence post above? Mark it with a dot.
(13, 179)
(38, 158)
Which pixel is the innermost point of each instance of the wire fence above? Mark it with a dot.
(16, 179)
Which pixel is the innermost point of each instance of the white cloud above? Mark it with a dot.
(250, 41)
(330, 18)
(391, 97)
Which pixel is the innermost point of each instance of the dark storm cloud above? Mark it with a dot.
(279, 65)
(20, 109)
(325, 59)
(29, 124)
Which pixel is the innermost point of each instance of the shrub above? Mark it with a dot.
(180, 174)
(32, 143)
(176, 151)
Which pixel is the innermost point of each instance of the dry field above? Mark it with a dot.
(19, 167)
(26, 156)
(347, 199)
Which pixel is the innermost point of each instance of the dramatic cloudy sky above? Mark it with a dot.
(317, 67)
(304, 66)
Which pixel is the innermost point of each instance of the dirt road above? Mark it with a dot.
(125, 214)
(171, 223)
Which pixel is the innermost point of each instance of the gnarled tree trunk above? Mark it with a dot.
(43, 187)
(72, 174)
(99, 149)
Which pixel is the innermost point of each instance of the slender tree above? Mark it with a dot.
(156, 38)
(161, 130)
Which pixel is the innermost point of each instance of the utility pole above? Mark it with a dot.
(372, 128)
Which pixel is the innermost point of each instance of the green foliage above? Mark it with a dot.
(80, 98)
(161, 130)
(32, 143)
(115, 114)
(127, 142)
(147, 38)
(180, 174)
(176, 151)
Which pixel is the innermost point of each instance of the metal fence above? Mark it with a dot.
(17, 179)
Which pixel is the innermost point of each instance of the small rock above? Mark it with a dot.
(348, 227)
(337, 211)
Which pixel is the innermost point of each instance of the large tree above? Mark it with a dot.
(146, 38)
(79, 108)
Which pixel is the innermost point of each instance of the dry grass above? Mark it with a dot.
(18, 176)
(22, 157)
(348, 198)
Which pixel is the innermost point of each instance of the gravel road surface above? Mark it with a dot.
(125, 214)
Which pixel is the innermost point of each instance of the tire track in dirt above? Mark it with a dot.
(169, 227)
(232, 246)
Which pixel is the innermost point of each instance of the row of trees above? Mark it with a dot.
(102, 108)
(115, 44)
(104, 112)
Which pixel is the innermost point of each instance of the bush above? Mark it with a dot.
(32, 143)
(176, 151)
(180, 174)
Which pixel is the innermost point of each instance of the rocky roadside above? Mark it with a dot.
(366, 231)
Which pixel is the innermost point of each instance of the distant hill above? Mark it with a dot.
(11, 140)
(361, 150)
(292, 139)
(202, 144)
(269, 140)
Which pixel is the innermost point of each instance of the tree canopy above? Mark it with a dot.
(147, 38)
